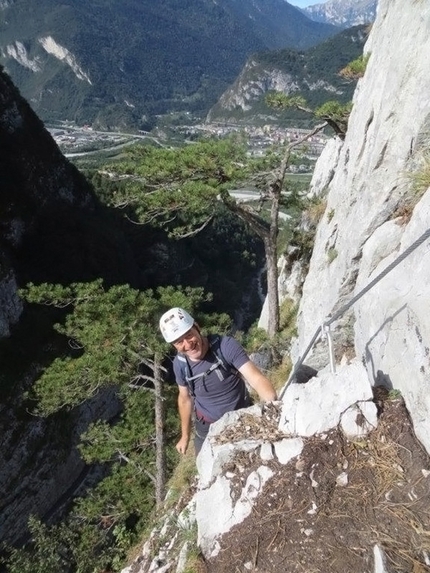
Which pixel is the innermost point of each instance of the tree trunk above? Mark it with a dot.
(270, 240)
(268, 232)
(160, 463)
(271, 251)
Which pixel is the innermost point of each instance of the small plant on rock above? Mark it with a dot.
(394, 394)
(420, 178)
(355, 69)
(316, 209)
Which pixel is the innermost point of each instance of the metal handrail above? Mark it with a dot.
(326, 324)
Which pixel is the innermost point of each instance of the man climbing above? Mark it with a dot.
(210, 373)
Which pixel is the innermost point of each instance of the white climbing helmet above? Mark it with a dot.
(174, 323)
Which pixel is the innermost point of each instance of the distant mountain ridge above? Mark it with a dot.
(343, 13)
(119, 63)
(313, 74)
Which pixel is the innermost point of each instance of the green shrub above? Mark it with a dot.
(355, 69)
(288, 316)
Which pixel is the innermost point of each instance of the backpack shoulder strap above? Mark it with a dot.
(185, 367)
(215, 346)
(185, 372)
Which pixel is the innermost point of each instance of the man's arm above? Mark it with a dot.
(185, 408)
(258, 381)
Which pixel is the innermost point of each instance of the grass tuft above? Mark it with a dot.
(420, 178)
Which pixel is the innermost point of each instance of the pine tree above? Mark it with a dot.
(179, 190)
(114, 344)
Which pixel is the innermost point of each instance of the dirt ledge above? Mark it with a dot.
(325, 511)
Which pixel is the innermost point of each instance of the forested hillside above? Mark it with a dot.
(313, 74)
(117, 64)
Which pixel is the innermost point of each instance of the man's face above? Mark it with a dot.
(192, 344)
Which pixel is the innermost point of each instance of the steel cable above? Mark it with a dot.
(354, 299)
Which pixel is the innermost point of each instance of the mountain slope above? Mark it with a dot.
(343, 13)
(314, 74)
(117, 63)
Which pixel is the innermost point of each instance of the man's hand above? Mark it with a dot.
(182, 445)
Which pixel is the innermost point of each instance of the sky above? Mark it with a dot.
(303, 3)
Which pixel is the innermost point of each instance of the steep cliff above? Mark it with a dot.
(25, 149)
(375, 212)
(51, 222)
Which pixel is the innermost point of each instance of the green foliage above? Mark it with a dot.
(111, 331)
(182, 477)
(355, 69)
(334, 111)
(394, 394)
(194, 555)
(314, 208)
(179, 191)
(72, 547)
(255, 339)
(279, 100)
(45, 556)
(104, 442)
(115, 338)
(200, 260)
(304, 239)
(176, 188)
(288, 327)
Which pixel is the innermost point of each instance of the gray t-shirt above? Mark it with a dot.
(213, 397)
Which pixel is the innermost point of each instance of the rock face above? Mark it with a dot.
(252, 83)
(289, 483)
(374, 214)
(51, 224)
(41, 469)
(10, 303)
(344, 13)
